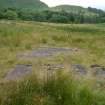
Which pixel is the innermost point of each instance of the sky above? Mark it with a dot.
(85, 3)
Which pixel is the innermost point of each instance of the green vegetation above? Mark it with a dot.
(35, 10)
(10, 14)
(62, 90)
(61, 15)
(65, 89)
(24, 5)
(20, 36)
(73, 9)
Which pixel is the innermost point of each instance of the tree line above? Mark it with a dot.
(52, 16)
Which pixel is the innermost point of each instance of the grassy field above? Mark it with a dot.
(17, 37)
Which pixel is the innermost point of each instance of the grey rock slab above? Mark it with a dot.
(79, 69)
(76, 68)
(18, 72)
(98, 70)
(45, 52)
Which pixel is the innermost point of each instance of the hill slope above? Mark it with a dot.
(73, 9)
(31, 5)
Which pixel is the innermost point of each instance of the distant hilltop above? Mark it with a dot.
(35, 10)
(30, 5)
(37, 5)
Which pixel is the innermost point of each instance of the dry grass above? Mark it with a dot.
(17, 37)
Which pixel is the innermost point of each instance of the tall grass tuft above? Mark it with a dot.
(62, 90)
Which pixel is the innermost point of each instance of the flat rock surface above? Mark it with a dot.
(98, 70)
(21, 70)
(79, 69)
(76, 68)
(18, 72)
(46, 52)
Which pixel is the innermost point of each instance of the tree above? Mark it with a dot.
(59, 18)
(9, 14)
(1, 14)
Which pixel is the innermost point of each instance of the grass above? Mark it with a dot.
(29, 35)
(21, 36)
(56, 91)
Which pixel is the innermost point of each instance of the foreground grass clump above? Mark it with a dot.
(62, 90)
